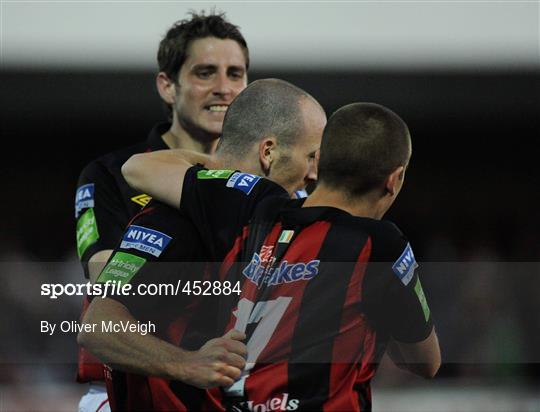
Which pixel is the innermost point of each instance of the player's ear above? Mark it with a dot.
(267, 154)
(394, 181)
(166, 88)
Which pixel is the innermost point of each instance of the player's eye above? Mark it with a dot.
(204, 74)
(236, 74)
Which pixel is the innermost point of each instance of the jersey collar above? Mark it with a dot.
(155, 141)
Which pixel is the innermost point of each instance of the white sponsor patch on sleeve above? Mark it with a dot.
(405, 265)
(243, 181)
(145, 239)
(84, 198)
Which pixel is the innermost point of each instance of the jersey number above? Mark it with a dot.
(267, 314)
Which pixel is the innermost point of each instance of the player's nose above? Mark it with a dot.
(223, 86)
(312, 173)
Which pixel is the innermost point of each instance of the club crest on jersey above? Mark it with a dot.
(84, 198)
(405, 265)
(243, 181)
(145, 240)
(258, 272)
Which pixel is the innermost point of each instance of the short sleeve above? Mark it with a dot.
(99, 212)
(394, 288)
(221, 203)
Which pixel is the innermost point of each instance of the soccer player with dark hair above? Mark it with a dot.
(327, 286)
(283, 127)
(203, 63)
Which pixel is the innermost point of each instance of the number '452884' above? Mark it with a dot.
(211, 288)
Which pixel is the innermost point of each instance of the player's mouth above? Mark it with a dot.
(217, 108)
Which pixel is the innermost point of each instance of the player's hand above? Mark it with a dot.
(219, 362)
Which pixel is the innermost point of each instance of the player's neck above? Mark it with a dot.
(359, 206)
(234, 163)
(178, 138)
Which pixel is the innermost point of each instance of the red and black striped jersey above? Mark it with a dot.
(322, 292)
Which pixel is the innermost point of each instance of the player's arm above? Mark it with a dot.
(161, 173)
(413, 345)
(218, 363)
(402, 310)
(421, 358)
(99, 214)
(152, 251)
(97, 262)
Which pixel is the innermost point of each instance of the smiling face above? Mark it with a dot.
(212, 75)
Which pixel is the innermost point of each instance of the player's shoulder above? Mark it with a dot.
(387, 239)
(385, 230)
(390, 246)
(108, 166)
(382, 229)
(236, 181)
(117, 157)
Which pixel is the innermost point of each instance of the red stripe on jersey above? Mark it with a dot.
(268, 381)
(249, 289)
(305, 248)
(163, 398)
(368, 366)
(177, 327)
(349, 342)
(213, 400)
(231, 257)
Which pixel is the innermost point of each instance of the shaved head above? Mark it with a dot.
(266, 108)
(361, 145)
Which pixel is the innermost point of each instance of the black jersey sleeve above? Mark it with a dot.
(99, 212)
(221, 203)
(394, 288)
(159, 252)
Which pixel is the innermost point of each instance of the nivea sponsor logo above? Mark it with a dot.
(405, 265)
(145, 239)
(84, 198)
(243, 181)
(259, 272)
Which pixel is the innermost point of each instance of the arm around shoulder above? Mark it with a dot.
(161, 174)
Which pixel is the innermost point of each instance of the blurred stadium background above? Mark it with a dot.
(77, 82)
